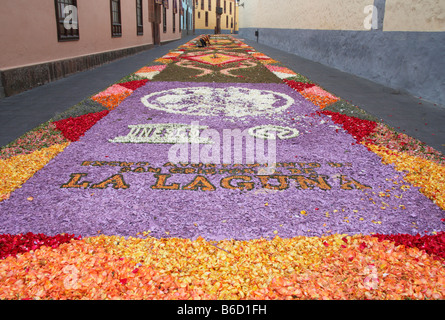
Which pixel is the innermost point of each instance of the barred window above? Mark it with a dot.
(164, 19)
(174, 21)
(139, 18)
(116, 25)
(67, 20)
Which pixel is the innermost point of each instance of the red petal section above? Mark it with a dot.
(73, 128)
(11, 245)
(431, 244)
(133, 85)
(359, 128)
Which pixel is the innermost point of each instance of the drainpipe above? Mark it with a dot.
(194, 15)
(234, 17)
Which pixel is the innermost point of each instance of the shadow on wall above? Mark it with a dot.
(407, 61)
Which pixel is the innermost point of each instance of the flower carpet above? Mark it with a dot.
(226, 60)
(146, 191)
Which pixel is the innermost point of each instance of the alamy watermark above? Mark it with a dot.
(370, 22)
(72, 277)
(197, 143)
(372, 19)
(70, 17)
(234, 146)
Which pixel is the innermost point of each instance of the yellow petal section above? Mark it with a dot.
(17, 170)
(425, 174)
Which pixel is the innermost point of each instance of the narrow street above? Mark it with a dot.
(220, 172)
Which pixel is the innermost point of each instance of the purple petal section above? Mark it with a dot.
(221, 213)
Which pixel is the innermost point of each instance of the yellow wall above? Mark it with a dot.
(400, 15)
(200, 15)
(414, 15)
(303, 14)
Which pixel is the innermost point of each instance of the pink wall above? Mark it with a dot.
(169, 35)
(29, 31)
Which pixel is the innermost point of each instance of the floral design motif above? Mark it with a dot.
(313, 93)
(230, 101)
(315, 90)
(113, 96)
(281, 72)
(272, 132)
(198, 60)
(262, 58)
(215, 58)
(150, 72)
(115, 89)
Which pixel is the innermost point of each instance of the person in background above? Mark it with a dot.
(204, 41)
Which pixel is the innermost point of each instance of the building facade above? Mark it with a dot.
(45, 40)
(216, 16)
(187, 17)
(397, 43)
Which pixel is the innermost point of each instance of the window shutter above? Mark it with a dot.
(151, 10)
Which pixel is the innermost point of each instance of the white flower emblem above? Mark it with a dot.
(270, 132)
(231, 102)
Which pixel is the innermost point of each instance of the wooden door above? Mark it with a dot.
(154, 16)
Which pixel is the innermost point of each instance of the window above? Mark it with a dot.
(164, 19)
(174, 21)
(139, 18)
(230, 7)
(210, 5)
(225, 7)
(199, 15)
(175, 11)
(207, 19)
(116, 26)
(67, 22)
(202, 4)
(231, 25)
(227, 22)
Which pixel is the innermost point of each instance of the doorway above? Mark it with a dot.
(154, 16)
